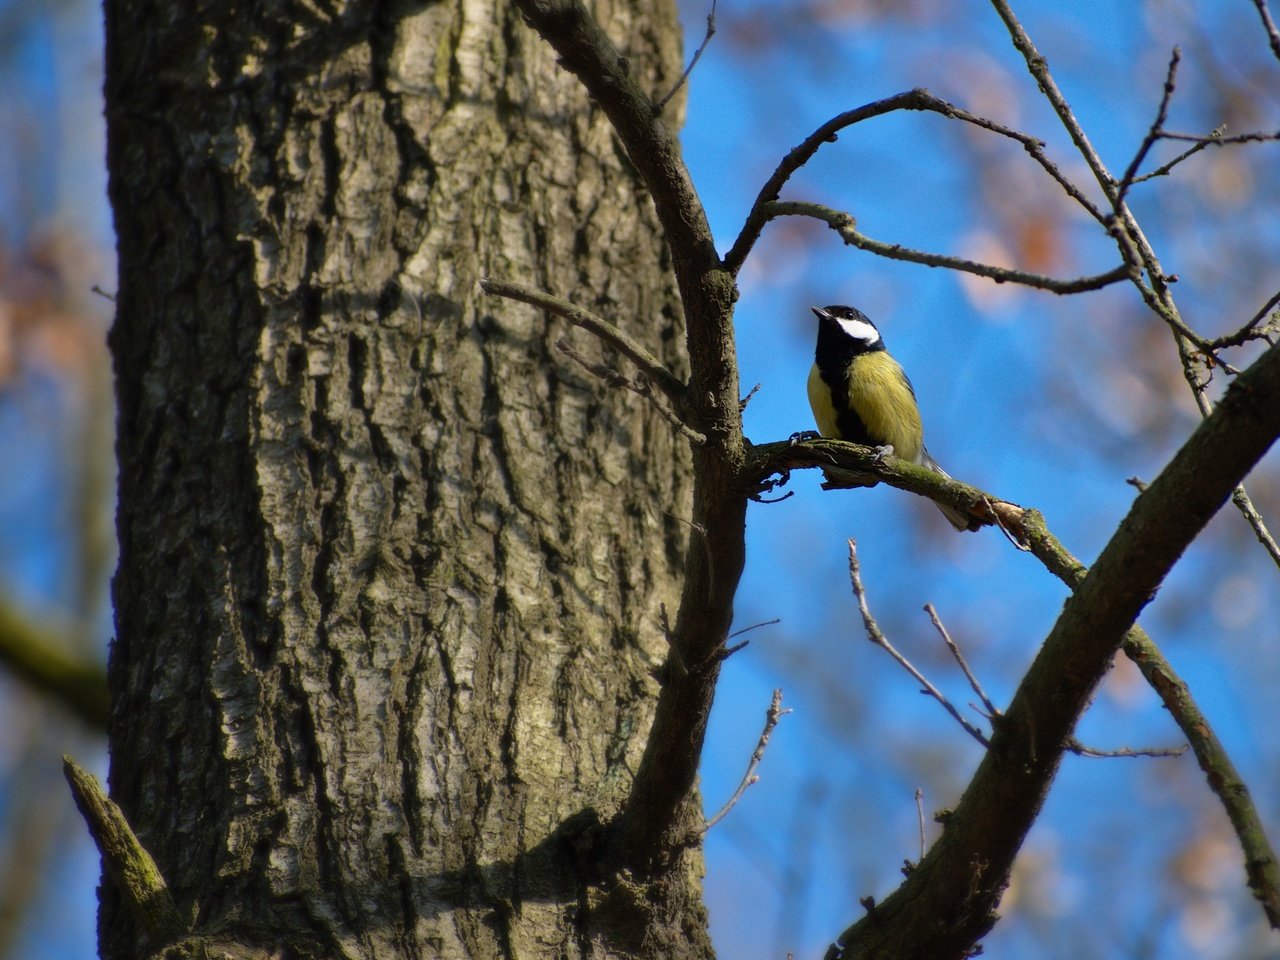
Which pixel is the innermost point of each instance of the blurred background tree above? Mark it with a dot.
(57, 485)
(1053, 402)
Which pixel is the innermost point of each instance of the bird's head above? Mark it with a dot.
(850, 324)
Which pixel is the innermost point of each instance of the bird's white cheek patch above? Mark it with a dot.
(859, 330)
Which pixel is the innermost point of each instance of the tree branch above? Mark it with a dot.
(1222, 140)
(992, 711)
(771, 718)
(1028, 529)
(838, 458)
(125, 859)
(1262, 869)
(877, 637)
(917, 99)
(1273, 35)
(672, 386)
(587, 53)
(1255, 328)
(844, 224)
(43, 659)
(1155, 130)
(948, 902)
(641, 387)
(1134, 247)
(693, 62)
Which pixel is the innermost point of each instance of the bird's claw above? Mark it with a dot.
(804, 435)
(883, 451)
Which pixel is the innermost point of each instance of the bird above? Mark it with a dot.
(859, 393)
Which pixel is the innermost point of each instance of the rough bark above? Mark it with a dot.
(390, 565)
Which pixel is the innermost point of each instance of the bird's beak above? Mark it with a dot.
(820, 313)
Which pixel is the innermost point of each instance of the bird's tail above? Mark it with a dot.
(958, 519)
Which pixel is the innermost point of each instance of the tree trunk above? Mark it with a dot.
(387, 606)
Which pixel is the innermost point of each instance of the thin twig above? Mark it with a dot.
(1157, 295)
(673, 656)
(845, 225)
(697, 55)
(1213, 140)
(1240, 498)
(640, 387)
(672, 386)
(1080, 750)
(1269, 25)
(771, 718)
(1156, 129)
(754, 626)
(992, 712)
(1249, 330)
(1039, 69)
(920, 818)
(1165, 169)
(1000, 525)
(877, 637)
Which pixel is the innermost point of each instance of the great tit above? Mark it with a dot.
(859, 393)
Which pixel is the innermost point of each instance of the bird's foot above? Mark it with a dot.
(883, 451)
(805, 435)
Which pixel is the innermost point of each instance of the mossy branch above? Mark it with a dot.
(124, 858)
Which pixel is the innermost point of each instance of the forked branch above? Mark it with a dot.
(917, 99)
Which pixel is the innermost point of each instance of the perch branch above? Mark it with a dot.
(838, 458)
(1080, 750)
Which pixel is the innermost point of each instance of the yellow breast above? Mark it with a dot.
(820, 403)
(879, 394)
